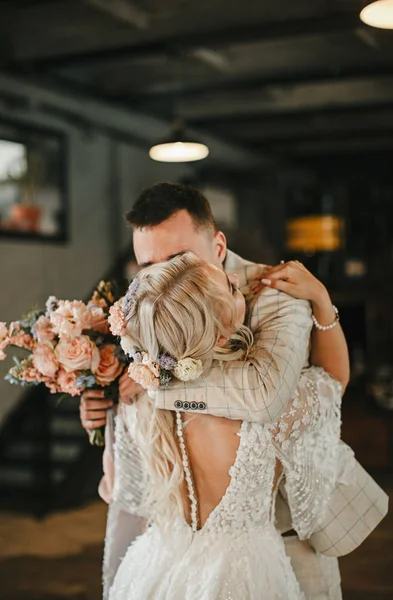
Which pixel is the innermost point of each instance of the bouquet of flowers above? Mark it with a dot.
(69, 347)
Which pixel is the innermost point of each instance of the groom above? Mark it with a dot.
(168, 219)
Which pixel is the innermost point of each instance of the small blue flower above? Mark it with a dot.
(85, 381)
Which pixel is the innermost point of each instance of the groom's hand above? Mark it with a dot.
(93, 405)
(128, 388)
(93, 409)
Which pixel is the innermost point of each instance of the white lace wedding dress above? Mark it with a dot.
(238, 554)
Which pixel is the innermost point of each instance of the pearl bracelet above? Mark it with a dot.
(326, 327)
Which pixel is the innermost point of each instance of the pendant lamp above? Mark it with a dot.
(178, 147)
(378, 14)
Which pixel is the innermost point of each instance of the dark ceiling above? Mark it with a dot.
(304, 80)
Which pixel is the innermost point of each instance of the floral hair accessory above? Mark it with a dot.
(128, 299)
(151, 374)
(145, 371)
(188, 369)
(167, 362)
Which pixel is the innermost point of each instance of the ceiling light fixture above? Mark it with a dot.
(378, 14)
(178, 148)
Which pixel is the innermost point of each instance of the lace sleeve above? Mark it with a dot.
(129, 478)
(125, 519)
(307, 442)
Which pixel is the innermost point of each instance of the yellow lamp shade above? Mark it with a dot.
(322, 233)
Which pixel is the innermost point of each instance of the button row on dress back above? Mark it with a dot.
(187, 472)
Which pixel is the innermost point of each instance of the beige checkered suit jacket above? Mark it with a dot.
(259, 390)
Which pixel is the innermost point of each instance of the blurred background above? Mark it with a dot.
(294, 103)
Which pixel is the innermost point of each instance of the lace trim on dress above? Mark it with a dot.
(307, 442)
(128, 490)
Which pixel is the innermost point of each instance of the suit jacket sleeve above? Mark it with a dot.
(259, 388)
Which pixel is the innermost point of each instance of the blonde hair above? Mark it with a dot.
(178, 310)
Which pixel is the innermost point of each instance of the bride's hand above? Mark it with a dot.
(294, 279)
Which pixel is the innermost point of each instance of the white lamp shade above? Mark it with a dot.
(378, 14)
(178, 152)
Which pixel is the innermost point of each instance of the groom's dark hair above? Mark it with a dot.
(161, 201)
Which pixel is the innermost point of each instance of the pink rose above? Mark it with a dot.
(67, 383)
(70, 318)
(78, 354)
(143, 375)
(116, 318)
(110, 367)
(98, 321)
(43, 330)
(44, 359)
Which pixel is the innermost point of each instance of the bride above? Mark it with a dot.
(210, 483)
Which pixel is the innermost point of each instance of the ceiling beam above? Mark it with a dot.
(183, 89)
(304, 126)
(295, 115)
(350, 146)
(122, 10)
(339, 138)
(84, 111)
(277, 99)
(185, 43)
(382, 141)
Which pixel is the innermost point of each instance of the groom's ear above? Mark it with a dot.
(220, 246)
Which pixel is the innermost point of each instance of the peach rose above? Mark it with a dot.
(110, 367)
(143, 375)
(77, 354)
(43, 330)
(67, 383)
(44, 359)
(116, 318)
(98, 321)
(70, 318)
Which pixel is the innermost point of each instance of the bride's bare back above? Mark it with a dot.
(212, 444)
